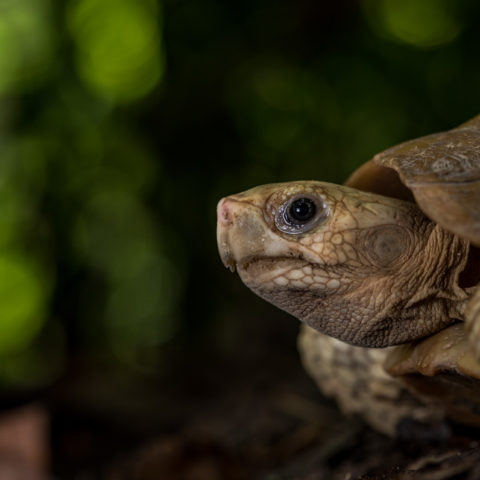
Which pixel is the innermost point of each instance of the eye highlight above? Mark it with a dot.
(301, 213)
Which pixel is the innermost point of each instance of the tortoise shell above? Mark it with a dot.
(441, 173)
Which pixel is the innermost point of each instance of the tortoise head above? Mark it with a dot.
(354, 265)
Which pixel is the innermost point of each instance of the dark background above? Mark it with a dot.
(123, 122)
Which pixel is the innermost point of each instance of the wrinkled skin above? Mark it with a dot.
(371, 271)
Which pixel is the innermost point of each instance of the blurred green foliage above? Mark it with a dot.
(118, 46)
(26, 44)
(122, 123)
(420, 23)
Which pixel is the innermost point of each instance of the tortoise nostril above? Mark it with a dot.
(223, 211)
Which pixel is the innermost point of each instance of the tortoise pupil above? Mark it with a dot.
(300, 214)
(302, 210)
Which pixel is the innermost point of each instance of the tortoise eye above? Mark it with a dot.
(301, 210)
(300, 214)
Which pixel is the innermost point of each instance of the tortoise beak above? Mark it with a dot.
(242, 233)
(241, 230)
(224, 221)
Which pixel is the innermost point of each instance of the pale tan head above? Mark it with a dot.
(354, 265)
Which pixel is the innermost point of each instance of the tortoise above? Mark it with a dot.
(383, 272)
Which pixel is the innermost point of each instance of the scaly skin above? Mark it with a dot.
(356, 379)
(374, 273)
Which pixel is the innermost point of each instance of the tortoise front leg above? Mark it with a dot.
(472, 321)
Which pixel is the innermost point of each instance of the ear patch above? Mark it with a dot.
(385, 244)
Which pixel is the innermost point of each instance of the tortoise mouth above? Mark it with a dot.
(254, 262)
(260, 269)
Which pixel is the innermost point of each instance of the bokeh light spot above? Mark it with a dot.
(13, 213)
(39, 364)
(420, 23)
(25, 44)
(119, 51)
(139, 312)
(22, 302)
(116, 235)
